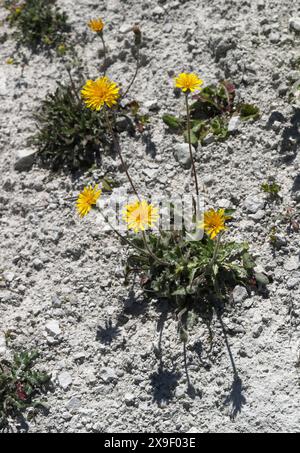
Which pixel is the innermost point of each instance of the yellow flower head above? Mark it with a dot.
(214, 222)
(188, 82)
(140, 215)
(100, 92)
(96, 25)
(86, 199)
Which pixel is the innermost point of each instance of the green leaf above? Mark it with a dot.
(248, 112)
(183, 335)
(193, 137)
(172, 121)
(248, 261)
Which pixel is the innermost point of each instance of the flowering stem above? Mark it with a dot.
(131, 244)
(104, 52)
(118, 148)
(150, 251)
(190, 146)
(216, 249)
(135, 73)
(73, 85)
(124, 238)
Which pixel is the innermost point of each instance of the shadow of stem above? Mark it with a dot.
(235, 398)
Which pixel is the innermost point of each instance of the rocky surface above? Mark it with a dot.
(116, 360)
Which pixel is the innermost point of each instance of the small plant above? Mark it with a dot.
(71, 136)
(210, 113)
(272, 189)
(39, 24)
(191, 272)
(290, 216)
(19, 385)
(183, 266)
(273, 236)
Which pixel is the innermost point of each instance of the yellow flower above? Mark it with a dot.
(100, 92)
(214, 222)
(96, 25)
(140, 215)
(86, 199)
(10, 61)
(188, 82)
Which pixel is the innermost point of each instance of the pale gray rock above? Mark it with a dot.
(52, 328)
(158, 11)
(129, 399)
(182, 155)
(253, 204)
(64, 380)
(108, 375)
(234, 124)
(239, 294)
(24, 159)
(294, 24)
(292, 263)
(3, 84)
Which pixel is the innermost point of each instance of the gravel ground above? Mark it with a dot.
(116, 360)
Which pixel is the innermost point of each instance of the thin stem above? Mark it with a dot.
(124, 238)
(73, 85)
(190, 147)
(118, 148)
(131, 244)
(135, 73)
(216, 249)
(104, 52)
(150, 251)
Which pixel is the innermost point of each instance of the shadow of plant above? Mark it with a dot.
(164, 384)
(107, 333)
(235, 398)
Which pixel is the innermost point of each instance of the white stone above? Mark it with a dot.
(150, 172)
(108, 375)
(125, 28)
(2, 346)
(182, 155)
(8, 276)
(234, 123)
(193, 430)
(239, 294)
(24, 159)
(129, 399)
(158, 11)
(294, 23)
(52, 328)
(152, 104)
(113, 5)
(254, 204)
(3, 90)
(64, 380)
(292, 263)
